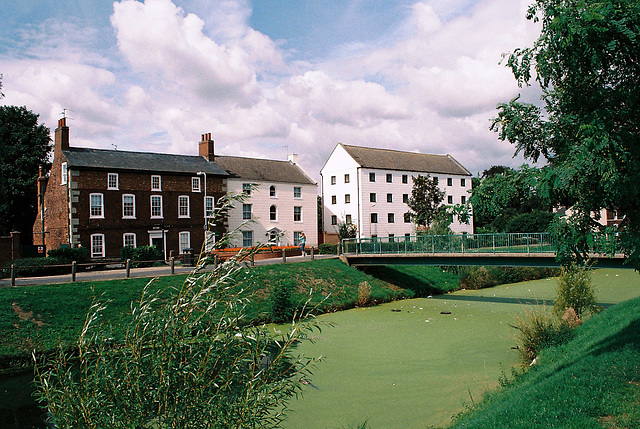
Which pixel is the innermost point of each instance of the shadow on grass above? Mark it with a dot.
(627, 337)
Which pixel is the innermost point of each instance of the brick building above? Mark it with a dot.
(108, 199)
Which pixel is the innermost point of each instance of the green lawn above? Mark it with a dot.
(418, 367)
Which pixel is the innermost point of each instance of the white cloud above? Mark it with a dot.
(157, 36)
(196, 66)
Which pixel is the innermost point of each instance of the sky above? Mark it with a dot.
(269, 77)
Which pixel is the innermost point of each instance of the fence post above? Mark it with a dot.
(284, 255)
(528, 245)
(339, 249)
(13, 274)
(173, 265)
(127, 268)
(215, 261)
(312, 254)
(73, 271)
(253, 260)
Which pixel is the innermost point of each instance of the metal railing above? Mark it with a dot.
(461, 243)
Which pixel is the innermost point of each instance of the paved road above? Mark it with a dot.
(87, 276)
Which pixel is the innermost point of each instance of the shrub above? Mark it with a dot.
(281, 306)
(483, 277)
(144, 254)
(538, 330)
(364, 294)
(29, 267)
(575, 291)
(535, 221)
(69, 254)
(328, 249)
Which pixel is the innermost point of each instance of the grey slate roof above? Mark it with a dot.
(387, 159)
(265, 170)
(140, 161)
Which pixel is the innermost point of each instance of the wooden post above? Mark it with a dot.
(13, 274)
(253, 261)
(73, 271)
(127, 268)
(173, 265)
(284, 255)
(312, 254)
(215, 261)
(339, 249)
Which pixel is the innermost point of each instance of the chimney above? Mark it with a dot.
(293, 158)
(206, 147)
(61, 138)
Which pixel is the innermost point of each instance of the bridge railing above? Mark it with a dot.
(461, 243)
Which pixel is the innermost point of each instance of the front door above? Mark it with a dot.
(158, 239)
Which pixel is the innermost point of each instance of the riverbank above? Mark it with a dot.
(418, 367)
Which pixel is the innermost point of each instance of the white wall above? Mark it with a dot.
(360, 187)
(284, 201)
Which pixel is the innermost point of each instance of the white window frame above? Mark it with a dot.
(184, 210)
(97, 242)
(208, 206)
(297, 237)
(184, 241)
(115, 186)
(246, 188)
(274, 212)
(161, 215)
(245, 212)
(124, 214)
(273, 191)
(247, 237)
(348, 219)
(154, 186)
(91, 206)
(297, 192)
(64, 173)
(124, 239)
(300, 213)
(195, 184)
(334, 220)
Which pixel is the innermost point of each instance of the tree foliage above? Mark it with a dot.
(425, 201)
(587, 62)
(502, 195)
(24, 145)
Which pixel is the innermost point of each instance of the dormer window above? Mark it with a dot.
(272, 191)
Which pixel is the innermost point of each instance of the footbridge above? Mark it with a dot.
(512, 250)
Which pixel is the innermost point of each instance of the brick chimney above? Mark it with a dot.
(206, 147)
(61, 140)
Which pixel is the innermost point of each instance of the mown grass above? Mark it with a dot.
(592, 381)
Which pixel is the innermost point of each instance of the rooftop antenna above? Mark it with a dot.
(64, 112)
(286, 149)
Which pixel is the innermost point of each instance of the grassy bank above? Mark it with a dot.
(45, 316)
(593, 381)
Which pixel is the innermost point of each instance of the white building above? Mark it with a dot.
(370, 188)
(282, 205)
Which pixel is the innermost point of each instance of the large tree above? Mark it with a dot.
(24, 146)
(425, 201)
(587, 62)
